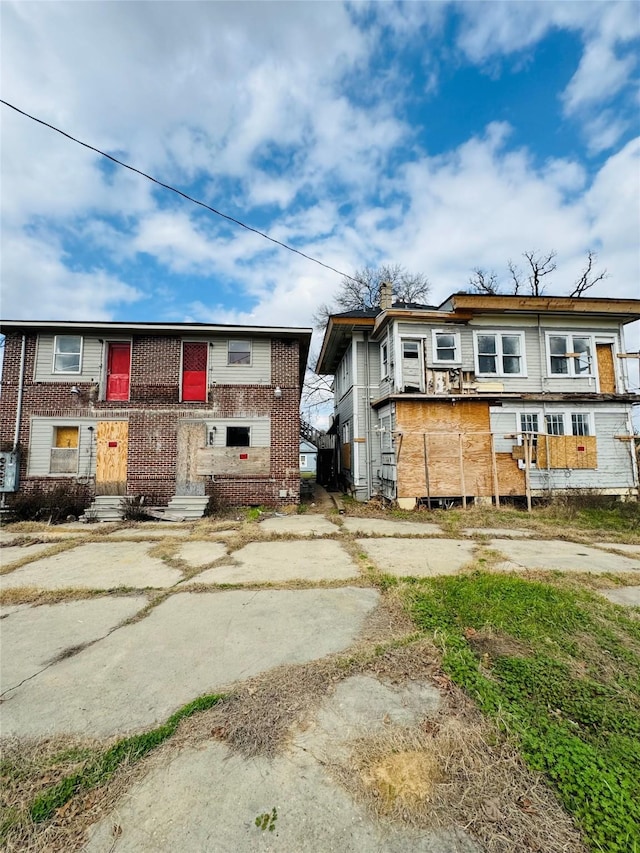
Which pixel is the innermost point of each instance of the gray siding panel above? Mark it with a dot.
(41, 442)
(90, 367)
(256, 373)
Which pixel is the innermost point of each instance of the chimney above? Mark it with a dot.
(386, 295)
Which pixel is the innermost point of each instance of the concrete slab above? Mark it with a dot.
(200, 553)
(8, 609)
(418, 557)
(223, 793)
(32, 637)
(626, 595)
(363, 706)
(633, 550)
(12, 553)
(495, 532)
(301, 525)
(96, 565)
(557, 554)
(276, 562)
(149, 532)
(192, 643)
(388, 527)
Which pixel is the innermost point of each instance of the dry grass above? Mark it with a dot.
(56, 548)
(33, 595)
(453, 769)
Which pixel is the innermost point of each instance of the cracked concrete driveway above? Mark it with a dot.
(78, 661)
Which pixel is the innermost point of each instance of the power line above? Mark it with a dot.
(174, 190)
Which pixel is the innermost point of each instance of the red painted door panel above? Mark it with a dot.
(194, 372)
(118, 370)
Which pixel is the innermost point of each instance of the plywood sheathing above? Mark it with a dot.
(459, 451)
(112, 445)
(567, 451)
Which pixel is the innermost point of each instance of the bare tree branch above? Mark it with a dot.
(540, 266)
(516, 277)
(588, 277)
(484, 282)
(364, 291)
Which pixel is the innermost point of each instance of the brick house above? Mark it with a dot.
(155, 409)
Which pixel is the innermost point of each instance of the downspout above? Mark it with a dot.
(16, 434)
(368, 445)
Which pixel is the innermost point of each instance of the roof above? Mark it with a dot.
(302, 335)
(460, 308)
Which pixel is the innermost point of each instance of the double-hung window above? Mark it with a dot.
(500, 354)
(569, 355)
(239, 352)
(446, 347)
(64, 450)
(67, 353)
(529, 423)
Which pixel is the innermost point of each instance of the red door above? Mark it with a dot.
(118, 370)
(194, 371)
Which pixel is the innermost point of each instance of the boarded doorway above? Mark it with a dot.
(191, 438)
(112, 444)
(606, 371)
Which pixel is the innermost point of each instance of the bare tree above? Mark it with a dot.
(362, 291)
(484, 282)
(588, 277)
(516, 277)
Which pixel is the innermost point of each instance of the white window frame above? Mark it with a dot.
(589, 421)
(562, 417)
(56, 353)
(240, 341)
(456, 361)
(571, 373)
(384, 360)
(499, 354)
(303, 460)
(54, 446)
(346, 432)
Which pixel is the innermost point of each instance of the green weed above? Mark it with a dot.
(558, 668)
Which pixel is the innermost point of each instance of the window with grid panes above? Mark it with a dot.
(554, 424)
(580, 423)
(445, 348)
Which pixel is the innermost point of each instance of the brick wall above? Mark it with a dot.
(154, 413)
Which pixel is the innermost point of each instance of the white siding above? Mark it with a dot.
(256, 373)
(90, 367)
(41, 442)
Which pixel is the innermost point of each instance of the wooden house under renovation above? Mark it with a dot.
(483, 397)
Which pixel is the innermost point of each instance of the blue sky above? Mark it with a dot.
(440, 136)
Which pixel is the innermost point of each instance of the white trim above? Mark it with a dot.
(570, 361)
(499, 355)
(77, 372)
(420, 340)
(457, 359)
(612, 341)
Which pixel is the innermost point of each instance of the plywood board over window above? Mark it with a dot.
(567, 451)
(606, 370)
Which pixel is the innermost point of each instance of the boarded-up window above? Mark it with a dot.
(194, 371)
(64, 453)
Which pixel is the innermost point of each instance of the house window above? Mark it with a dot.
(529, 423)
(445, 347)
(554, 424)
(67, 353)
(580, 423)
(500, 354)
(238, 436)
(410, 349)
(64, 452)
(384, 356)
(346, 433)
(239, 352)
(569, 355)
(303, 460)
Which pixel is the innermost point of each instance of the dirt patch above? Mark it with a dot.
(456, 770)
(496, 645)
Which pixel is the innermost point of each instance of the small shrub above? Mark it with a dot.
(133, 509)
(53, 504)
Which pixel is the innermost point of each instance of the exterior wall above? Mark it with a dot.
(153, 414)
(310, 451)
(538, 376)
